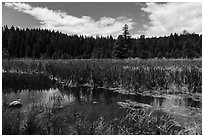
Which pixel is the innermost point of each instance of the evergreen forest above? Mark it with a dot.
(46, 44)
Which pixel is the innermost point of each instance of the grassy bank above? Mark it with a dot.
(73, 121)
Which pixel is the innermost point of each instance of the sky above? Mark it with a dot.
(106, 18)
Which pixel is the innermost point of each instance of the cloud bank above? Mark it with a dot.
(61, 21)
(173, 17)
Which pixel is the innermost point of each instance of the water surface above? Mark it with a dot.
(84, 96)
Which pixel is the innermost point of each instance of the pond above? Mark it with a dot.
(88, 97)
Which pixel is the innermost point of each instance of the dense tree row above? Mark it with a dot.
(39, 43)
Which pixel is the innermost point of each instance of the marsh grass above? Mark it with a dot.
(195, 129)
(11, 121)
(132, 75)
(25, 81)
(74, 122)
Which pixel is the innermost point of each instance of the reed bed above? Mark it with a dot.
(132, 75)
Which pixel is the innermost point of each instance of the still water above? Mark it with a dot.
(84, 96)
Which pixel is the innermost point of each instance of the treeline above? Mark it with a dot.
(40, 43)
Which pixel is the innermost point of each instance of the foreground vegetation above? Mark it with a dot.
(75, 121)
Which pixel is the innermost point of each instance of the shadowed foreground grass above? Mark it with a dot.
(74, 122)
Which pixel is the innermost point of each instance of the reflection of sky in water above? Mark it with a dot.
(175, 105)
(65, 97)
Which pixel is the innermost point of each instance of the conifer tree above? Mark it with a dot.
(121, 49)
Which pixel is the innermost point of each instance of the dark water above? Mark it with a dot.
(44, 93)
(84, 96)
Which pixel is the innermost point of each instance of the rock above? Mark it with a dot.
(95, 102)
(15, 104)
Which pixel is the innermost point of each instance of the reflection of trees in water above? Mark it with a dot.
(95, 94)
(81, 94)
(84, 94)
(147, 99)
(142, 99)
(161, 100)
(102, 95)
(190, 102)
(158, 102)
(180, 102)
(76, 93)
(91, 96)
(108, 97)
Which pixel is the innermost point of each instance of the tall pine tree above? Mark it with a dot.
(121, 48)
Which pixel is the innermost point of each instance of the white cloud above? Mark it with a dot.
(69, 24)
(173, 17)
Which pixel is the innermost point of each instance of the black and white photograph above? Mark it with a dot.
(101, 68)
